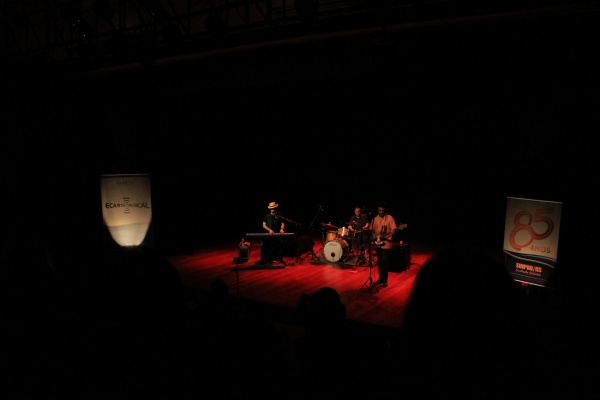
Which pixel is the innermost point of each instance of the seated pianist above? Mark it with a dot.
(272, 250)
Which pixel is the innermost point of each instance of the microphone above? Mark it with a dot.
(321, 207)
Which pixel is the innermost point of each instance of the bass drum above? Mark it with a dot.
(336, 250)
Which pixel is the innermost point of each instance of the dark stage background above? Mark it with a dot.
(443, 123)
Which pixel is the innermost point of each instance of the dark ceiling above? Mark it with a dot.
(67, 36)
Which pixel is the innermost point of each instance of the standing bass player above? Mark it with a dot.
(383, 226)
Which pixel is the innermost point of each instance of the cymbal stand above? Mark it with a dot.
(361, 249)
(312, 254)
(314, 218)
(369, 283)
(321, 252)
(310, 229)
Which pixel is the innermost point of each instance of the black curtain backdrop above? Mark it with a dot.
(443, 124)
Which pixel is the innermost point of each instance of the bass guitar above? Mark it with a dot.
(381, 239)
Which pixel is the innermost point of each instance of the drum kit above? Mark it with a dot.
(341, 243)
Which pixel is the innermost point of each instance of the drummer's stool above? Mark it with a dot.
(400, 258)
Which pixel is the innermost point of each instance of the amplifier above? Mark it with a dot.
(400, 258)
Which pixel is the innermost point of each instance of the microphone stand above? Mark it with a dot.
(369, 284)
(288, 220)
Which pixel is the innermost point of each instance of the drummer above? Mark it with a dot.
(358, 224)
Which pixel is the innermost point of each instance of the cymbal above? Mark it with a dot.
(328, 225)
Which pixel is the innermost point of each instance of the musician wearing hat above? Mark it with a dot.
(271, 249)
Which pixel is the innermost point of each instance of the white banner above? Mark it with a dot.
(531, 239)
(126, 207)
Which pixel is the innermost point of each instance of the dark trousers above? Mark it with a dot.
(384, 260)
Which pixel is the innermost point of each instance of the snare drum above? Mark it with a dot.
(343, 232)
(336, 250)
(331, 235)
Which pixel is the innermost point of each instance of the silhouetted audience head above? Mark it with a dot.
(464, 326)
(218, 287)
(325, 310)
(460, 288)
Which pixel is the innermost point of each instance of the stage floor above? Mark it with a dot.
(282, 285)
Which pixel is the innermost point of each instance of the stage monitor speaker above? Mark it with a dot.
(400, 258)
